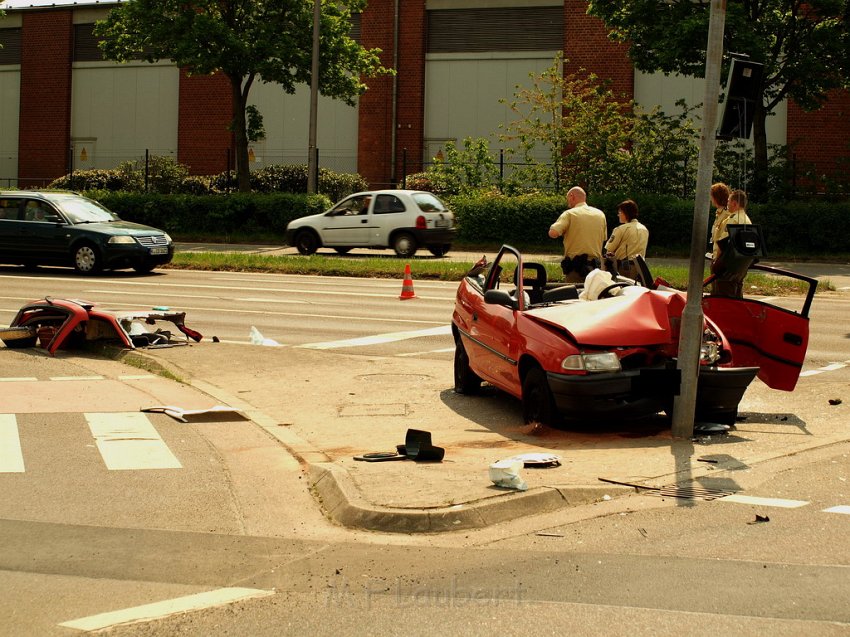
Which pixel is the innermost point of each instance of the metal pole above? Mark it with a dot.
(147, 167)
(312, 158)
(690, 336)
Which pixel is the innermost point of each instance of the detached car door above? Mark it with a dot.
(764, 335)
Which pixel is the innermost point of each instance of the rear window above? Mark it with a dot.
(428, 202)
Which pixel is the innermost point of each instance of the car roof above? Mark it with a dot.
(39, 194)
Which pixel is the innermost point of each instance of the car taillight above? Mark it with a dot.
(420, 223)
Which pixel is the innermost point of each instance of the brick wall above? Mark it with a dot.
(587, 46)
(205, 112)
(44, 133)
(374, 154)
(821, 137)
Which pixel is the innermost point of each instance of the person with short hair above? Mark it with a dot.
(584, 229)
(627, 241)
(728, 269)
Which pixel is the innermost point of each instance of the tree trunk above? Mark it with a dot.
(240, 133)
(758, 189)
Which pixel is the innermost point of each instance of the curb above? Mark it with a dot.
(339, 496)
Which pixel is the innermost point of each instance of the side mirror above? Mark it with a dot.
(500, 297)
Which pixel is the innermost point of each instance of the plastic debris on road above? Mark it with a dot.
(505, 473)
(259, 339)
(218, 413)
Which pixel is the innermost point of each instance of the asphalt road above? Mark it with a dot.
(77, 540)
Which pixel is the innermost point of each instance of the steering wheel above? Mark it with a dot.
(606, 293)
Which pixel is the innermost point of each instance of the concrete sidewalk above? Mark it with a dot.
(326, 409)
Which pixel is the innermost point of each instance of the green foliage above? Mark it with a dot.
(804, 47)
(166, 176)
(213, 215)
(464, 170)
(594, 138)
(255, 130)
(95, 179)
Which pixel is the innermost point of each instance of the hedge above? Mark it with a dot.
(220, 215)
(792, 228)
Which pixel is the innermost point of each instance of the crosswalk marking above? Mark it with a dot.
(11, 458)
(63, 378)
(18, 379)
(158, 610)
(128, 440)
(768, 502)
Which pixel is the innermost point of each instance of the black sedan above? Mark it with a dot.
(64, 228)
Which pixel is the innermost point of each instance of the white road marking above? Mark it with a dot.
(128, 440)
(158, 610)
(432, 351)
(62, 378)
(18, 379)
(829, 368)
(767, 502)
(11, 458)
(380, 338)
(841, 508)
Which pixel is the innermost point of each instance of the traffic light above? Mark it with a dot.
(742, 91)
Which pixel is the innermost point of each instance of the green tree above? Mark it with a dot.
(593, 138)
(803, 44)
(246, 40)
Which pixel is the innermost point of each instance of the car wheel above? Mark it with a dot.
(538, 404)
(466, 381)
(18, 337)
(343, 250)
(404, 244)
(306, 242)
(440, 250)
(87, 259)
(144, 268)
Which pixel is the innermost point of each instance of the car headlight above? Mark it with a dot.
(167, 237)
(121, 239)
(602, 362)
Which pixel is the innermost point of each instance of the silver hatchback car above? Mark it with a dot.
(403, 220)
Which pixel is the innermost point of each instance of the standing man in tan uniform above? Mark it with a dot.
(584, 230)
(628, 240)
(728, 269)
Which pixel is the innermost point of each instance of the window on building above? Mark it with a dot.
(506, 29)
(10, 46)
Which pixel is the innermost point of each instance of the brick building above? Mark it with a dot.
(62, 106)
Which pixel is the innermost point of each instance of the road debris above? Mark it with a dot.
(505, 474)
(219, 413)
(834, 401)
(759, 519)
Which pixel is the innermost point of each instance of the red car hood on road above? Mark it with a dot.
(636, 317)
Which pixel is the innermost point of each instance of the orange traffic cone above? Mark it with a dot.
(407, 286)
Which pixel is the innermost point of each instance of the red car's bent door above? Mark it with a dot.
(764, 335)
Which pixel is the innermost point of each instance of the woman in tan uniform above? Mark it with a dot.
(628, 240)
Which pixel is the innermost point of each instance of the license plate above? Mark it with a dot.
(159, 250)
(442, 223)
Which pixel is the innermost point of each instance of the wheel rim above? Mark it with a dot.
(306, 243)
(404, 245)
(85, 259)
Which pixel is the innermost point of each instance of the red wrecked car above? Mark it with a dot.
(568, 358)
(69, 323)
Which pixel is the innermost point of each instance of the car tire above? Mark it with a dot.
(18, 337)
(342, 250)
(440, 250)
(87, 259)
(306, 242)
(466, 381)
(538, 404)
(404, 245)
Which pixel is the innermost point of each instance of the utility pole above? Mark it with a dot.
(312, 156)
(690, 335)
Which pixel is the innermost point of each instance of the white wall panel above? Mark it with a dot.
(10, 99)
(286, 120)
(462, 93)
(125, 110)
(656, 89)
